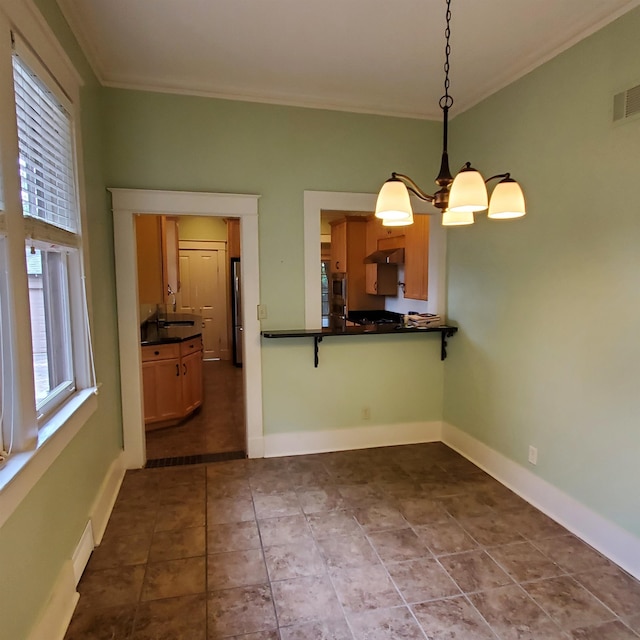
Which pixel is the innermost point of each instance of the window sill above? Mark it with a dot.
(23, 470)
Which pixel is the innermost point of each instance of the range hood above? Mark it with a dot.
(386, 256)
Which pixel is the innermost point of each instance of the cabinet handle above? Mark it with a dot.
(375, 286)
(338, 265)
(184, 367)
(156, 353)
(178, 370)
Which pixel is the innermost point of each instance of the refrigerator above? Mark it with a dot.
(236, 310)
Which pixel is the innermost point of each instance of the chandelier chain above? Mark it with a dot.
(447, 101)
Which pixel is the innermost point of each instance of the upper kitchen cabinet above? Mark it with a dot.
(157, 257)
(416, 258)
(348, 251)
(233, 237)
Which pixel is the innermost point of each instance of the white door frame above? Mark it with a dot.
(126, 203)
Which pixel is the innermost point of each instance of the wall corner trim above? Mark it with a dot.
(607, 537)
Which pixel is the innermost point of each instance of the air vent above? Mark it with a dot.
(626, 104)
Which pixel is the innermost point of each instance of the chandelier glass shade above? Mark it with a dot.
(458, 198)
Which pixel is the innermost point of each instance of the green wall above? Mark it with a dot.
(549, 305)
(43, 532)
(157, 141)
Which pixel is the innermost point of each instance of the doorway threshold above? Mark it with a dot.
(201, 458)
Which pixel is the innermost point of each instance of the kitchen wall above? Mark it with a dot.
(158, 141)
(202, 228)
(549, 306)
(42, 533)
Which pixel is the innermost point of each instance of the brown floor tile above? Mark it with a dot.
(362, 495)
(174, 578)
(419, 511)
(363, 588)
(285, 530)
(305, 600)
(235, 612)
(180, 543)
(234, 488)
(277, 505)
(465, 506)
(321, 500)
(445, 537)
(181, 516)
(235, 569)
(347, 551)
(228, 510)
(607, 631)
(111, 587)
(227, 470)
(386, 624)
(489, 530)
(533, 524)
(334, 523)
(259, 635)
(235, 536)
(573, 555)
(568, 603)
(101, 624)
(130, 522)
(398, 545)
(617, 589)
(380, 517)
(523, 562)
(474, 571)
(192, 493)
(184, 618)
(422, 580)
(294, 561)
(325, 630)
(120, 551)
(513, 615)
(452, 619)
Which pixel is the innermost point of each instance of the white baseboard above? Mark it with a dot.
(106, 498)
(53, 623)
(82, 552)
(613, 541)
(387, 435)
(255, 447)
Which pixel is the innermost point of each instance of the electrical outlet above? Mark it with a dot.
(533, 455)
(366, 413)
(262, 312)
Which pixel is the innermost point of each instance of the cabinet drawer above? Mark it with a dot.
(160, 352)
(190, 346)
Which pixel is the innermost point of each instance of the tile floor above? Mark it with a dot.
(217, 427)
(408, 542)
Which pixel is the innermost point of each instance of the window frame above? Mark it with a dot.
(23, 25)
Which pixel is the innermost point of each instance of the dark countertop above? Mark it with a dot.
(188, 327)
(358, 330)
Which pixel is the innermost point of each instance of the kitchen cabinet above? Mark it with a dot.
(381, 279)
(172, 381)
(416, 259)
(233, 237)
(191, 364)
(348, 251)
(157, 257)
(162, 383)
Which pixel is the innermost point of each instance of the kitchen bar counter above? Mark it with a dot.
(445, 332)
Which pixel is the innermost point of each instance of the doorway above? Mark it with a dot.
(127, 203)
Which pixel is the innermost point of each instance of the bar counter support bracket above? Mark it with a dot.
(443, 345)
(316, 341)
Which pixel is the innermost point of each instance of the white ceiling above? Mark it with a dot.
(370, 56)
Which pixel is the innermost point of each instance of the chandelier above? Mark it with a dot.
(458, 198)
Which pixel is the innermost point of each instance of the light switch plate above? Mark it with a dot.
(262, 312)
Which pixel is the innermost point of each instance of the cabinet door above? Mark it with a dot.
(371, 276)
(192, 382)
(149, 258)
(339, 246)
(416, 257)
(233, 237)
(162, 390)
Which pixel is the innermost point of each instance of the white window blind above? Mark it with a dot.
(45, 143)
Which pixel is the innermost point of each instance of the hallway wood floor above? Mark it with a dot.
(218, 426)
(399, 543)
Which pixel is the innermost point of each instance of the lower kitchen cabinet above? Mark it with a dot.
(172, 381)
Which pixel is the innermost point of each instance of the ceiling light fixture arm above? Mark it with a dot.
(412, 186)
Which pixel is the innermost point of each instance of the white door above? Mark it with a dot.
(203, 287)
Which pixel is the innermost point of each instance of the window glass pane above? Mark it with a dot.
(50, 326)
(45, 144)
